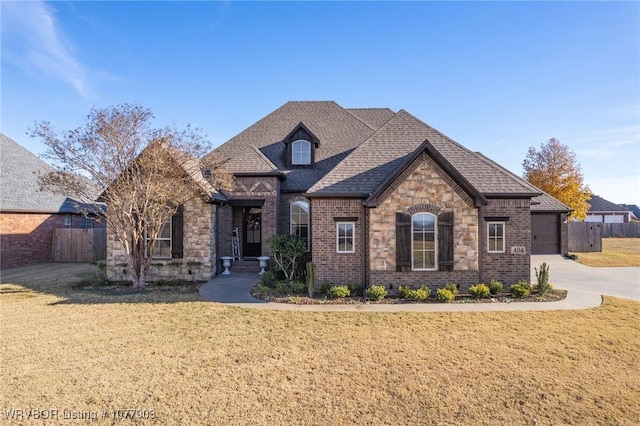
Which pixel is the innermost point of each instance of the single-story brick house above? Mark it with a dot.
(28, 216)
(379, 196)
(604, 211)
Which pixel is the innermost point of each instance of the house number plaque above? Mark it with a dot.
(518, 250)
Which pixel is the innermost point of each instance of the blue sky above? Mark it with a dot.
(498, 77)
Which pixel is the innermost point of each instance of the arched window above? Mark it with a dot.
(300, 220)
(423, 242)
(301, 152)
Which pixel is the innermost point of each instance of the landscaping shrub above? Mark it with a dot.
(263, 289)
(287, 250)
(268, 279)
(311, 278)
(404, 291)
(543, 279)
(297, 287)
(420, 294)
(376, 292)
(325, 287)
(282, 287)
(445, 295)
(496, 287)
(521, 289)
(452, 287)
(339, 291)
(479, 291)
(354, 287)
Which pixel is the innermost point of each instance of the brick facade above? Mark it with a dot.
(337, 268)
(251, 191)
(512, 265)
(199, 259)
(27, 238)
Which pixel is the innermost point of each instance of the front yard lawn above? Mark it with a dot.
(615, 252)
(198, 362)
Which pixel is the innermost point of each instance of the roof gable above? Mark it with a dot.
(338, 131)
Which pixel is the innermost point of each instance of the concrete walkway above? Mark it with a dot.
(234, 290)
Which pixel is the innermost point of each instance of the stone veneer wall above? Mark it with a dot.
(337, 268)
(508, 267)
(426, 183)
(199, 235)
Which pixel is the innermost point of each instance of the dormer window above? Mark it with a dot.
(301, 152)
(301, 146)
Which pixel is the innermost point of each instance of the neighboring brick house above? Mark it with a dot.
(381, 197)
(29, 216)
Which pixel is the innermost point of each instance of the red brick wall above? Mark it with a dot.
(337, 268)
(507, 267)
(27, 238)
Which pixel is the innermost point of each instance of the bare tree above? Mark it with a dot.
(144, 174)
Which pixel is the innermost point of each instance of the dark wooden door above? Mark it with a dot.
(252, 236)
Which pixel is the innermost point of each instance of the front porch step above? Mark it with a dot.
(245, 266)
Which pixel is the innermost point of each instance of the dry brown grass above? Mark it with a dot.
(615, 252)
(196, 362)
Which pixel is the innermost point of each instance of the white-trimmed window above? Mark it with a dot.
(300, 220)
(162, 249)
(345, 242)
(495, 237)
(301, 152)
(423, 242)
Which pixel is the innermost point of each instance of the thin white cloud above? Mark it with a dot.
(33, 41)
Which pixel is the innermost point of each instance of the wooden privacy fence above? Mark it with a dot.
(621, 230)
(79, 245)
(587, 236)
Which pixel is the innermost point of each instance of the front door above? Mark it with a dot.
(252, 240)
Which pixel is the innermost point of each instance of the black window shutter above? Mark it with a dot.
(177, 227)
(445, 241)
(403, 242)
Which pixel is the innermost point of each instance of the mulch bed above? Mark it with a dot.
(319, 299)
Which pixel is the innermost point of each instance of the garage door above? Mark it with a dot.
(545, 233)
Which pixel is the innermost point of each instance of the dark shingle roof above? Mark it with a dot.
(366, 168)
(374, 117)
(546, 203)
(338, 130)
(359, 149)
(19, 187)
(599, 205)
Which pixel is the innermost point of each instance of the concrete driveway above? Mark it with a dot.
(570, 275)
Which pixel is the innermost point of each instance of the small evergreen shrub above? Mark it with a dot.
(282, 287)
(339, 291)
(404, 291)
(495, 287)
(263, 289)
(376, 292)
(445, 295)
(543, 279)
(452, 287)
(479, 291)
(268, 279)
(420, 294)
(521, 289)
(325, 287)
(297, 287)
(354, 287)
